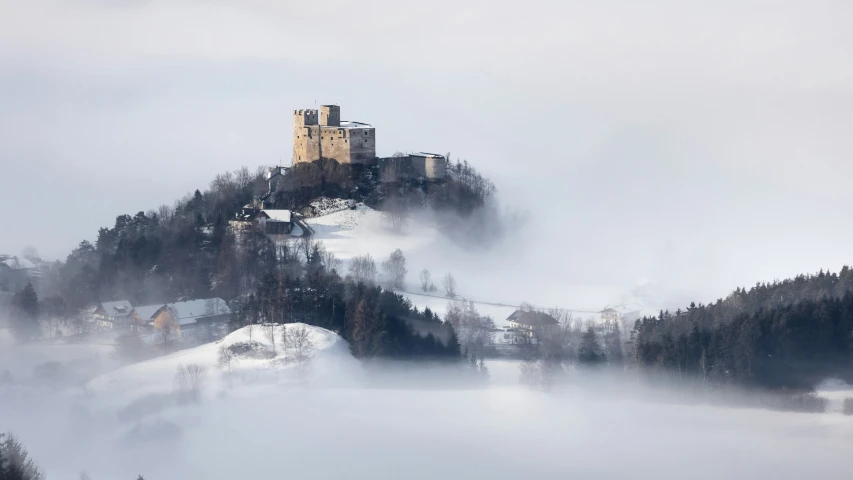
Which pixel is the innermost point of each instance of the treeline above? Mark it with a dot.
(305, 286)
(160, 255)
(789, 334)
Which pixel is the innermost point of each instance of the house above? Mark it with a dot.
(142, 316)
(180, 318)
(527, 323)
(622, 315)
(116, 314)
(15, 272)
(275, 222)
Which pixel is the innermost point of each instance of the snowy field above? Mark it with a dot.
(482, 275)
(334, 419)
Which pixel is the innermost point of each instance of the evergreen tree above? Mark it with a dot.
(26, 304)
(17, 463)
(589, 352)
(613, 346)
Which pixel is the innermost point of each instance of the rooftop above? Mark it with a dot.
(349, 124)
(16, 263)
(532, 318)
(120, 308)
(277, 215)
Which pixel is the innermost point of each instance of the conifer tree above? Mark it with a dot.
(589, 352)
(26, 305)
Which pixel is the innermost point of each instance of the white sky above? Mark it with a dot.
(700, 146)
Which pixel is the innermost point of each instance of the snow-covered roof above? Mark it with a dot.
(622, 309)
(120, 308)
(532, 318)
(351, 124)
(425, 154)
(187, 312)
(277, 215)
(16, 263)
(145, 312)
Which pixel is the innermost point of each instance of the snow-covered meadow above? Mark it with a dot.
(337, 418)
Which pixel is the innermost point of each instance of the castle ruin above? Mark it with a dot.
(323, 134)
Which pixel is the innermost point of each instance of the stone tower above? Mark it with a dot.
(330, 115)
(306, 136)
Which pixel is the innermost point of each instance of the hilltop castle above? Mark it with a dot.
(323, 134)
(343, 141)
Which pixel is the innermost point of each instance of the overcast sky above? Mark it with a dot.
(700, 146)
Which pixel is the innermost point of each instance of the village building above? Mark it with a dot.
(142, 316)
(526, 324)
(16, 272)
(275, 222)
(181, 318)
(622, 315)
(113, 315)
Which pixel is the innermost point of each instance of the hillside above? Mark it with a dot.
(253, 362)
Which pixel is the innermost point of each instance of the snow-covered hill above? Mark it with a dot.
(255, 360)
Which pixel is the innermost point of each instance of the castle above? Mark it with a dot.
(323, 134)
(343, 141)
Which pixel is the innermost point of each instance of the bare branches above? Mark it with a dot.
(189, 381)
(363, 269)
(425, 280)
(297, 344)
(394, 270)
(449, 286)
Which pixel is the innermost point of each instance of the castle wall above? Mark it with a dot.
(363, 146)
(394, 169)
(335, 144)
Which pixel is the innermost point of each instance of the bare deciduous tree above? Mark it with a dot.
(331, 262)
(189, 381)
(472, 329)
(450, 286)
(269, 333)
(395, 210)
(394, 270)
(225, 357)
(363, 269)
(425, 280)
(298, 344)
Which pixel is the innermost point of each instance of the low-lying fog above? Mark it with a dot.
(412, 422)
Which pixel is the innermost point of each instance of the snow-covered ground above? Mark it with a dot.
(154, 377)
(482, 275)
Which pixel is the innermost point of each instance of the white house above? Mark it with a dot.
(527, 323)
(116, 314)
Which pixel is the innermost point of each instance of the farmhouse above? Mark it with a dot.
(275, 222)
(529, 322)
(181, 317)
(622, 315)
(15, 272)
(116, 314)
